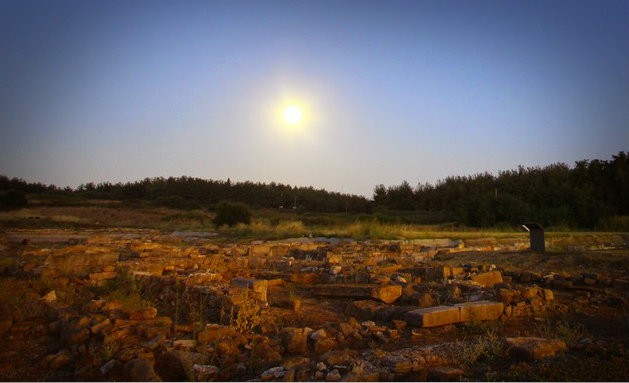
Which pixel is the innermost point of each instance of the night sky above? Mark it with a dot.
(391, 90)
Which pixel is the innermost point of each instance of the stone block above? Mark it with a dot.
(480, 311)
(143, 314)
(258, 286)
(434, 316)
(488, 279)
(259, 250)
(214, 332)
(384, 293)
(531, 348)
(387, 294)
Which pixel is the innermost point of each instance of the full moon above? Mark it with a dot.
(293, 114)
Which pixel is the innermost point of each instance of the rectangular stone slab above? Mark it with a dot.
(488, 279)
(481, 310)
(384, 293)
(434, 316)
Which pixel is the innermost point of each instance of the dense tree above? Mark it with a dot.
(230, 214)
(12, 199)
(553, 195)
(557, 194)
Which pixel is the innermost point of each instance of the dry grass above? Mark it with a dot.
(610, 262)
(484, 348)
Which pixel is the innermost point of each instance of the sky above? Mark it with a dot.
(116, 91)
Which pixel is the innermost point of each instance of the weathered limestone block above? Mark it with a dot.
(258, 262)
(305, 278)
(295, 340)
(58, 360)
(508, 296)
(384, 293)
(456, 271)
(259, 250)
(531, 348)
(530, 292)
(428, 273)
(334, 259)
(154, 327)
(214, 332)
(434, 316)
(280, 250)
(258, 286)
(387, 293)
(324, 345)
(480, 311)
(488, 279)
(282, 298)
(143, 314)
(80, 260)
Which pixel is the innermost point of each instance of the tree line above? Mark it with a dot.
(190, 193)
(578, 196)
(556, 194)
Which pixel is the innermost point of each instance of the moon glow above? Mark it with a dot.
(293, 114)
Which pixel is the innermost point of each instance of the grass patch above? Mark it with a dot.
(486, 348)
(123, 288)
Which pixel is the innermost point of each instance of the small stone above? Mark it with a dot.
(144, 314)
(488, 279)
(334, 270)
(273, 373)
(324, 345)
(368, 323)
(58, 360)
(399, 324)
(333, 376)
(398, 279)
(51, 296)
(532, 348)
(184, 344)
(112, 365)
(318, 335)
(589, 281)
(204, 372)
(321, 366)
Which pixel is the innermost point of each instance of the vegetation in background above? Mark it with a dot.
(592, 194)
(230, 214)
(12, 199)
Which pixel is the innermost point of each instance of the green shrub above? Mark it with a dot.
(230, 213)
(12, 199)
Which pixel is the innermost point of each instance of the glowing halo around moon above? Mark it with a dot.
(292, 114)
